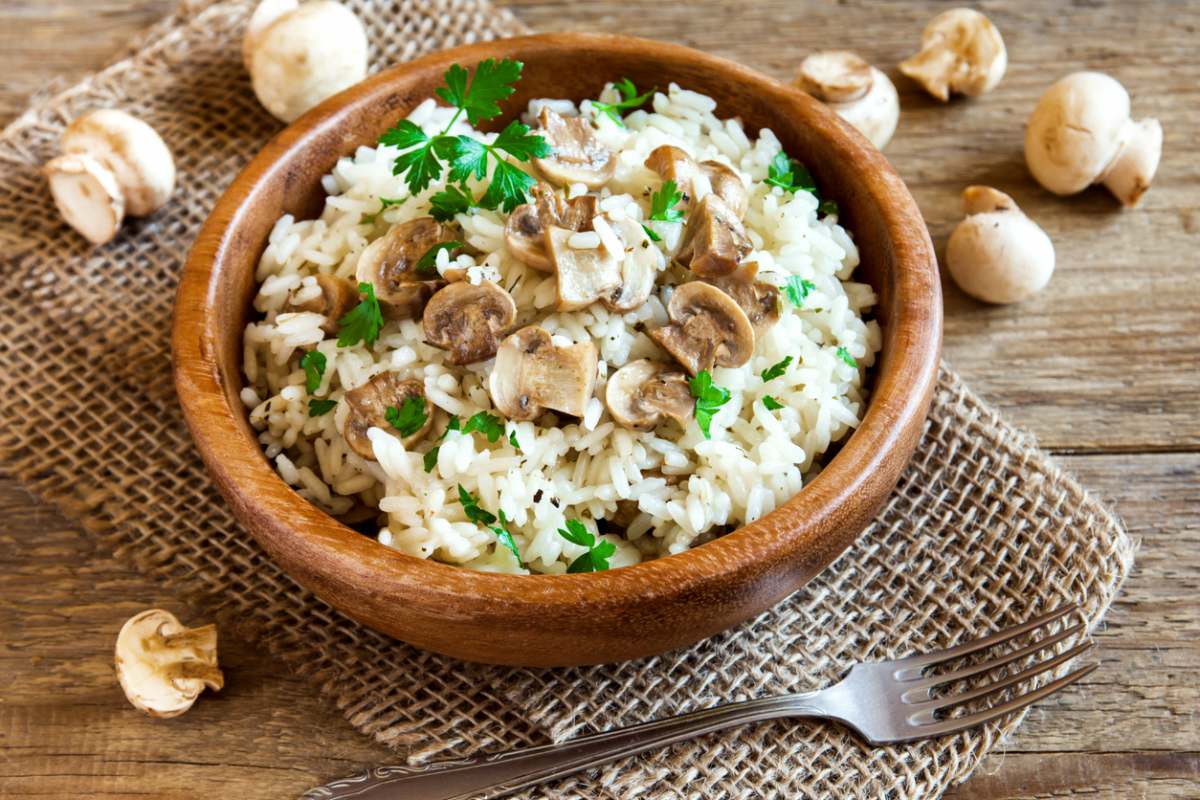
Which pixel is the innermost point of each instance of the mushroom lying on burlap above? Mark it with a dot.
(113, 164)
(708, 328)
(617, 265)
(998, 254)
(390, 265)
(163, 666)
(714, 241)
(333, 299)
(1081, 133)
(577, 155)
(369, 404)
(856, 91)
(533, 374)
(758, 299)
(961, 53)
(674, 164)
(641, 393)
(525, 231)
(469, 320)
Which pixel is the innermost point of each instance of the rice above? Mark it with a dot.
(676, 487)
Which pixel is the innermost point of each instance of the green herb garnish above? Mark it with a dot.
(845, 356)
(361, 323)
(313, 364)
(489, 425)
(318, 408)
(630, 100)
(596, 558)
(827, 208)
(797, 290)
(654, 237)
(431, 457)
(512, 439)
(448, 202)
(409, 417)
(709, 399)
(771, 403)
(662, 203)
(427, 264)
(504, 537)
(775, 370)
(384, 203)
(790, 175)
(471, 508)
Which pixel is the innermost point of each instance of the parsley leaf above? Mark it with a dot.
(409, 417)
(599, 551)
(827, 208)
(404, 135)
(448, 202)
(427, 264)
(492, 83)
(430, 460)
(489, 425)
(771, 403)
(384, 204)
(318, 408)
(419, 166)
(797, 290)
(845, 356)
(518, 142)
(508, 189)
(709, 399)
(471, 507)
(504, 537)
(776, 369)
(654, 237)
(662, 203)
(512, 439)
(313, 364)
(790, 175)
(630, 100)
(361, 323)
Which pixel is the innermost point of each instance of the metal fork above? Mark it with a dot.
(883, 701)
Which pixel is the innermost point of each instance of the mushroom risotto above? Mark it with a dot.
(608, 333)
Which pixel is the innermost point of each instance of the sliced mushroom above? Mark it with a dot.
(578, 156)
(707, 329)
(585, 274)
(642, 392)
(163, 666)
(525, 231)
(533, 374)
(469, 320)
(389, 264)
(961, 53)
(368, 406)
(336, 298)
(714, 240)
(758, 299)
(639, 267)
(674, 164)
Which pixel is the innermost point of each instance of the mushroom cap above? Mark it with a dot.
(368, 405)
(87, 196)
(532, 374)
(585, 275)
(162, 665)
(642, 392)
(997, 254)
(708, 328)
(578, 156)
(389, 264)
(961, 51)
(306, 55)
(337, 296)
(469, 320)
(133, 151)
(714, 240)
(639, 267)
(525, 230)
(758, 299)
(266, 12)
(674, 164)
(833, 76)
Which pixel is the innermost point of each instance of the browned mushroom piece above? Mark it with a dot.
(708, 328)
(585, 274)
(525, 231)
(368, 406)
(390, 265)
(578, 156)
(639, 267)
(674, 164)
(469, 320)
(337, 297)
(758, 299)
(627, 511)
(642, 392)
(714, 240)
(533, 374)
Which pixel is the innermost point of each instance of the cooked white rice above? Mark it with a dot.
(755, 460)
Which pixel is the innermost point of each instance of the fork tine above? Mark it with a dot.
(971, 720)
(994, 639)
(999, 661)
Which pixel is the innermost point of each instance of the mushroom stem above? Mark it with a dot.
(197, 670)
(1129, 174)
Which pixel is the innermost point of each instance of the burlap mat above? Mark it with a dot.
(982, 530)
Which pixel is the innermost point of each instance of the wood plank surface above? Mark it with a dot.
(1102, 366)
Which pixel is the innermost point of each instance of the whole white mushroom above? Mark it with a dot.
(1081, 133)
(297, 57)
(962, 52)
(113, 164)
(858, 92)
(998, 254)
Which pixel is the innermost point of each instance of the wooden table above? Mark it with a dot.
(1102, 366)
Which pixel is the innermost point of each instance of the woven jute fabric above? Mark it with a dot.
(983, 530)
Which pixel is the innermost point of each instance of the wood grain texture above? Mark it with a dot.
(1104, 361)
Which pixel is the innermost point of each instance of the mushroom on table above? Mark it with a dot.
(468, 320)
(961, 53)
(641, 393)
(856, 91)
(532, 374)
(708, 328)
(577, 155)
(369, 406)
(163, 666)
(998, 254)
(390, 265)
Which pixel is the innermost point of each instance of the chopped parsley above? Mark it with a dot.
(409, 417)
(663, 202)
(427, 264)
(384, 203)
(599, 551)
(771, 403)
(630, 100)
(512, 439)
(432, 456)
(487, 519)
(313, 364)
(489, 425)
(797, 290)
(654, 237)
(319, 408)
(790, 175)
(361, 323)
(845, 356)
(709, 399)
(448, 202)
(775, 370)
(425, 158)
(504, 537)
(827, 208)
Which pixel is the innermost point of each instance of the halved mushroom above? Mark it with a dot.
(336, 297)
(714, 240)
(525, 231)
(674, 164)
(533, 374)
(578, 156)
(585, 274)
(759, 300)
(708, 328)
(368, 406)
(469, 320)
(640, 264)
(642, 392)
(163, 666)
(390, 264)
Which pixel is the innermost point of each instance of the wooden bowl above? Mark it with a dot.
(561, 619)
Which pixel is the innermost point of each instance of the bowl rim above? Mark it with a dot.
(899, 399)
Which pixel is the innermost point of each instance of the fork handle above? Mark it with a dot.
(496, 775)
